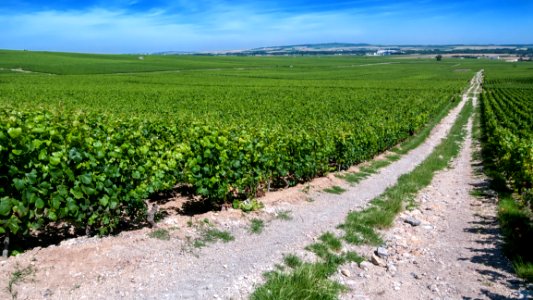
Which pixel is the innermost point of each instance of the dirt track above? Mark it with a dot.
(455, 253)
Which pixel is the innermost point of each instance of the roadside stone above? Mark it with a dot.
(412, 221)
(365, 265)
(433, 288)
(345, 272)
(391, 268)
(396, 286)
(377, 261)
(382, 252)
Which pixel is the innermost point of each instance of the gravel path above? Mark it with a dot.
(455, 253)
(133, 266)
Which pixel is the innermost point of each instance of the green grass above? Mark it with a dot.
(375, 165)
(393, 157)
(212, 235)
(517, 227)
(354, 177)
(285, 215)
(160, 234)
(331, 241)
(208, 234)
(257, 226)
(310, 280)
(523, 269)
(337, 190)
(305, 281)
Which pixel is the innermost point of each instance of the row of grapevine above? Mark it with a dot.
(94, 170)
(507, 110)
(87, 149)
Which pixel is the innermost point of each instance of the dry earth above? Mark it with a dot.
(133, 265)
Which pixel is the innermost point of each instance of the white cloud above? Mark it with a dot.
(216, 25)
(101, 30)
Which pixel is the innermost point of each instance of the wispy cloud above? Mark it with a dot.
(141, 26)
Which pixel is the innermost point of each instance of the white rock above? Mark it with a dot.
(377, 261)
(391, 268)
(365, 265)
(345, 272)
(382, 252)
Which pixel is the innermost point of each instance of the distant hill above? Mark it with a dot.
(316, 46)
(369, 49)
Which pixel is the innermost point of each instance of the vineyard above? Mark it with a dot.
(87, 149)
(507, 116)
(507, 106)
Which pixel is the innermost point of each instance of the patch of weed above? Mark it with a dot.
(306, 281)
(337, 190)
(212, 235)
(393, 157)
(292, 261)
(256, 226)
(285, 215)
(161, 234)
(331, 241)
(354, 178)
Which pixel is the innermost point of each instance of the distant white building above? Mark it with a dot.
(383, 52)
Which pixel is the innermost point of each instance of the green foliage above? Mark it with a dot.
(88, 146)
(160, 234)
(256, 226)
(285, 215)
(517, 228)
(307, 281)
(248, 205)
(507, 140)
(337, 190)
(507, 120)
(86, 170)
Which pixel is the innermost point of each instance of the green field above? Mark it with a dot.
(86, 138)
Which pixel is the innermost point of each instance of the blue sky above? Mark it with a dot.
(138, 26)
